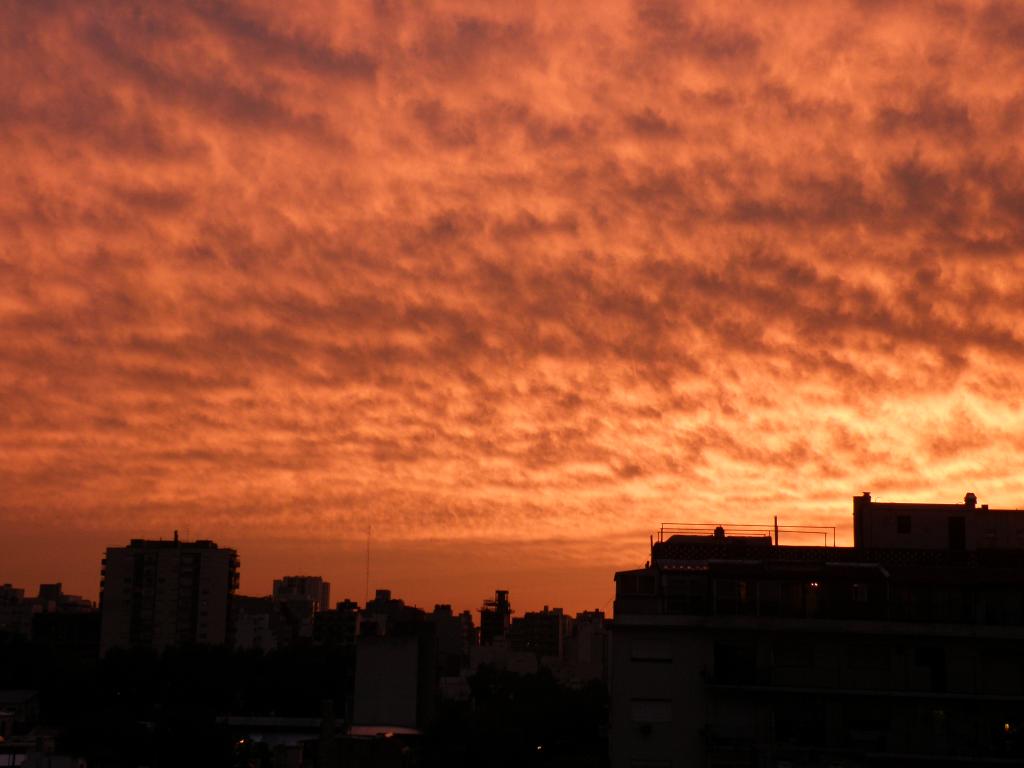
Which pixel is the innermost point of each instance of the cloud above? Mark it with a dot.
(517, 273)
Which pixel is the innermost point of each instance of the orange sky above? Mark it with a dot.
(514, 283)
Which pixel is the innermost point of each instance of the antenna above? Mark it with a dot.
(366, 590)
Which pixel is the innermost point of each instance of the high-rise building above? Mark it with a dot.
(156, 594)
(338, 627)
(733, 650)
(540, 632)
(257, 622)
(495, 617)
(454, 633)
(311, 588)
(586, 647)
(15, 612)
(396, 678)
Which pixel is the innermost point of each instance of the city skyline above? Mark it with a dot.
(512, 284)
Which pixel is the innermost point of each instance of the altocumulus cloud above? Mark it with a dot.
(532, 272)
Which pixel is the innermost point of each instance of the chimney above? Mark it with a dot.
(175, 537)
(970, 501)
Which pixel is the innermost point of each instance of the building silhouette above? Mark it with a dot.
(338, 627)
(495, 618)
(51, 614)
(586, 647)
(257, 623)
(540, 632)
(304, 588)
(902, 649)
(156, 594)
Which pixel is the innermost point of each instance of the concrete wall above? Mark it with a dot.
(658, 704)
(387, 682)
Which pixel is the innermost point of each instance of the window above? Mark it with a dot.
(733, 596)
(903, 524)
(957, 534)
(769, 598)
(735, 663)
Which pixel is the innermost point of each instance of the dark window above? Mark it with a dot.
(903, 524)
(733, 596)
(792, 653)
(769, 598)
(735, 663)
(957, 534)
(934, 661)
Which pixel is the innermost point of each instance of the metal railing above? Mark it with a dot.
(774, 532)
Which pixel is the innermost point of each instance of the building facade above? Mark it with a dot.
(540, 632)
(305, 588)
(156, 594)
(903, 649)
(495, 618)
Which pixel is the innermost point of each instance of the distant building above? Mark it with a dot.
(396, 681)
(71, 635)
(586, 647)
(385, 612)
(52, 618)
(156, 594)
(299, 599)
(257, 622)
(499, 654)
(52, 599)
(311, 588)
(495, 618)
(15, 612)
(338, 627)
(540, 632)
(454, 635)
(903, 649)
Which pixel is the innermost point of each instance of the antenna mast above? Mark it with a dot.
(366, 589)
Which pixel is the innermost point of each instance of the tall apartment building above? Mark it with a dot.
(495, 618)
(904, 649)
(338, 627)
(156, 594)
(540, 632)
(310, 588)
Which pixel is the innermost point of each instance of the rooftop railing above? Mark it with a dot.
(793, 534)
